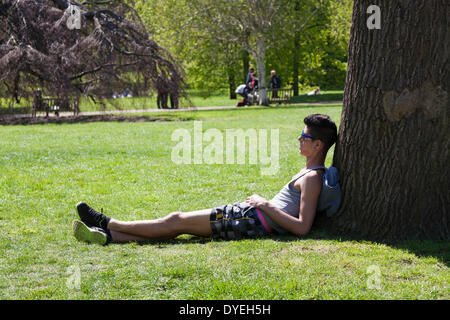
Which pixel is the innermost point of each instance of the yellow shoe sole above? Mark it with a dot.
(83, 233)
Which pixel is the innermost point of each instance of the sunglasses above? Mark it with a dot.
(303, 136)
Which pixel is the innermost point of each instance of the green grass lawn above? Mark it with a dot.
(325, 95)
(126, 168)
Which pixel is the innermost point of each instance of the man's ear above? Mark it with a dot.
(318, 144)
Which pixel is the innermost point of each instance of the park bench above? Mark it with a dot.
(56, 105)
(279, 95)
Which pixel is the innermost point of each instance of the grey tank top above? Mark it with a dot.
(288, 199)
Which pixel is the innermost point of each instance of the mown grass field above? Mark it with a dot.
(126, 168)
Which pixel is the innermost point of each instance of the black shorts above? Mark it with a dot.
(237, 221)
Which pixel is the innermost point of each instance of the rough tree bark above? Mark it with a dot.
(295, 53)
(246, 64)
(231, 82)
(393, 145)
(295, 60)
(260, 58)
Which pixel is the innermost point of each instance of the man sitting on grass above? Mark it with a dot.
(292, 210)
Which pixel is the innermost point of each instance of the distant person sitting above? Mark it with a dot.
(246, 92)
(314, 92)
(252, 83)
(252, 86)
(243, 91)
(127, 93)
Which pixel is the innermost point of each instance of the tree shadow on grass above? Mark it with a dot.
(272, 107)
(439, 249)
(420, 248)
(12, 121)
(427, 248)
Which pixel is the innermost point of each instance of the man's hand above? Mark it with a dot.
(256, 201)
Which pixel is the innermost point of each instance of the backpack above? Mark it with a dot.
(331, 195)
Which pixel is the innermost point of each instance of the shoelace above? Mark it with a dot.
(98, 217)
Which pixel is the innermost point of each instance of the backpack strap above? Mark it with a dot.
(299, 175)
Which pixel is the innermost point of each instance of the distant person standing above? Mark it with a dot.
(173, 92)
(173, 100)
(251, 71)
(162, 91)
(275, 83)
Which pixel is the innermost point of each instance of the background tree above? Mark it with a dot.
(314, 51)
(210, 56)
(210, 63)
(111, 51)
(253, 24)
(393, 145)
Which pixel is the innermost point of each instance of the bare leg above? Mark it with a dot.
(120, 237)
(194, 222)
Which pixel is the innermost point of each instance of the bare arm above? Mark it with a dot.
(311, 185)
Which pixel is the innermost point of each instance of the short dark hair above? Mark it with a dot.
(323, 128)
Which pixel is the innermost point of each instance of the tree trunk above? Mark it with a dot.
(295, 63)
(393, 145)
(246, 64)
(295, 53)
(231, 82)
(261, 66)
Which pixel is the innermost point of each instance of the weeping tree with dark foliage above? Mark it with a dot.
(72, 48)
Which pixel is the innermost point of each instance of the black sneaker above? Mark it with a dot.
(91, 217)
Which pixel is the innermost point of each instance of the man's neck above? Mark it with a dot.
(316, 161)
